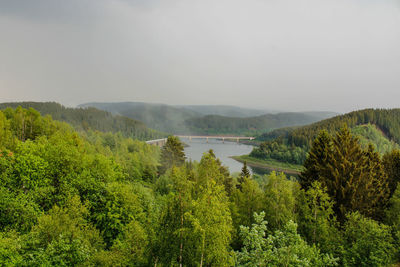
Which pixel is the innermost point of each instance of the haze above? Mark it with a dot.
(337, 55)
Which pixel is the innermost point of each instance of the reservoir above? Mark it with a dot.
(223, 150)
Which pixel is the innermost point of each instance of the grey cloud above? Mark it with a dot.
(286, 54)
(51, 10)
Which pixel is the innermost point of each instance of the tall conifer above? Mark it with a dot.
(354, 178)
(317, 159)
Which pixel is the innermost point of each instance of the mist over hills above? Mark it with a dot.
(208, 119)
(90, 119)
(213, 124)
(228, 111)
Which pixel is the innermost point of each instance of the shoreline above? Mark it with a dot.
(265, 165)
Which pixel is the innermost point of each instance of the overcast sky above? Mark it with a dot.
(337, 55)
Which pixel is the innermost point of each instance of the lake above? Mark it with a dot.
(222, 150)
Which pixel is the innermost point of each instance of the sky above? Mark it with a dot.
(294, 55)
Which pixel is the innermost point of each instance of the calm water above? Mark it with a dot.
(222, 151)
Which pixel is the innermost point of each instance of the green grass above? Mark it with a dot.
(369, 133)
(270, 164)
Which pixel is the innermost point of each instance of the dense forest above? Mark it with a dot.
(91, 119)
(378, 126)
(157, 116)
(215, 124)
(71, 198)
(211, 120)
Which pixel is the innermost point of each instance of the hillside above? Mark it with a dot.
(90, 119)
(213, 124)
(369, 133)
(378, 126)
(227, 111)
(220, 119)
(157, 116)
(387, 120)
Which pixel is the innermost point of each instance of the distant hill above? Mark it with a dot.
(387, 120)
(213, 124)
(157, 116)
(378, 126)
(227, 111)
(194, 119)
(91, 119)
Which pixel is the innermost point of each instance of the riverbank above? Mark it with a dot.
(272, 165)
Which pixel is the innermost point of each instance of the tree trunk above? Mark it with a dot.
(202, 249)
(180, 233)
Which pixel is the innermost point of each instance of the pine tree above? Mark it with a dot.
(245, 174)
(391, 162)
(172, 154)
(318, 157)
(354, 178)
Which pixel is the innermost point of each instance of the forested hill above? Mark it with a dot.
(218, 119)
(380, 127)
(157, 116)
(252, 125)
(90, 119)
(228, 111)
(100, 199)
(387, 120)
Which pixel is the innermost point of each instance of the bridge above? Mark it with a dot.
(157, 142)
(236, 138)
(161, 142)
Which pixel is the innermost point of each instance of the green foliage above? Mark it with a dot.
(281, 151)
(172, 154)
(245, 173)
(382, 128)
(196, 222)
(317, 158)
(93, 198)
(211, 224)
(121, 205)
(280, 200)
(367, 243)
(245, 200)
(282, 248)
(130, 249)
(317, 221)
(210, 168)
(393, 218)
(10, 249)
(391, 162)
(369, 133)
(172, 246)
(17, 211)
(83, 119)
(63, 237)
(354, 178)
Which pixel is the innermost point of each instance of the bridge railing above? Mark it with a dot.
(237, 138)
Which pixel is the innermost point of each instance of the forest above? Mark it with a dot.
(211, 120)
(381, 127)
(215, 124)
(94, 198)
(91, 119)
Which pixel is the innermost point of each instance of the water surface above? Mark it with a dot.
(222, 150)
